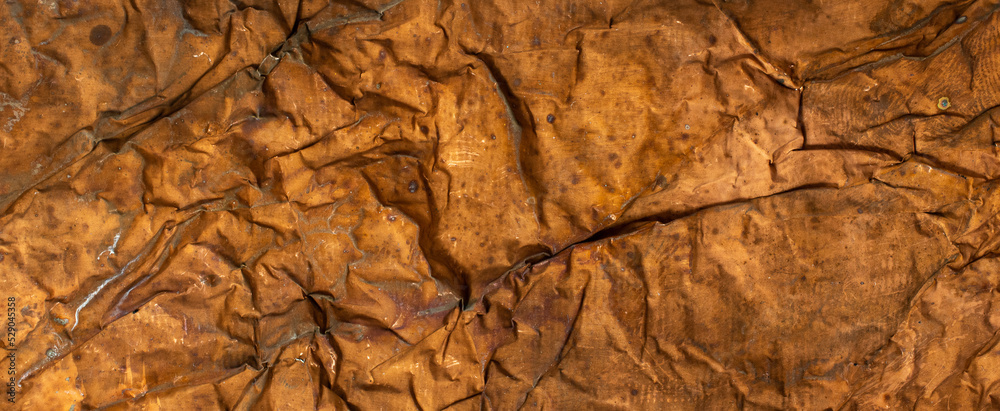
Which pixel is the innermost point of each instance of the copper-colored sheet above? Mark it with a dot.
(698, 205)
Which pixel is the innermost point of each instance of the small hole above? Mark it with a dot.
(944, 103)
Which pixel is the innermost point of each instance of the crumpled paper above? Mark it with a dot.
(278, 205)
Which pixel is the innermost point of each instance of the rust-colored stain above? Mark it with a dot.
(558, 204)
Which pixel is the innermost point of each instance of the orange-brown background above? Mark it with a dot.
(502, 204)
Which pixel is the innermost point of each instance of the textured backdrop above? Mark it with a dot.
(558, 204)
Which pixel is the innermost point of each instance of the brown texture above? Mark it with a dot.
(289, 205)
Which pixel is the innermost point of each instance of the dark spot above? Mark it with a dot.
(493, 136)
(490, 260)
(860, 211)
(1, 257)
(100, 35)
(424, 129)
(685, 136)
(213, 280)
(536, 41)
(712, 40)
(635, 391)
(550, 118)
(413, 186)
(135, 311)
(454, 239)
(612, 157)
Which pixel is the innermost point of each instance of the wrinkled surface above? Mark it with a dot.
(562, 204)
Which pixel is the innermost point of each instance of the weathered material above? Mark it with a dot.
(704, 205)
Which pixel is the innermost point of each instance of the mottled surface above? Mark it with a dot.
(278, 205)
